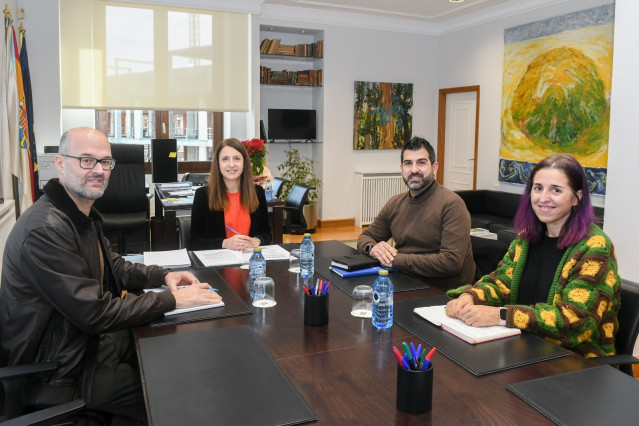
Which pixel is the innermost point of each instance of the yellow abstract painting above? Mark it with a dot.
(556, 93)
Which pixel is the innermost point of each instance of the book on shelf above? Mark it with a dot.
(275, 47)
(455, 326)
(354, 262)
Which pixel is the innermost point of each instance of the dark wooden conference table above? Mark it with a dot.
(346, 370)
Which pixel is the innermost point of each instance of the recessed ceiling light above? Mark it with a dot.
(455, 1)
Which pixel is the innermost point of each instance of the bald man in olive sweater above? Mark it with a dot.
(430, 225)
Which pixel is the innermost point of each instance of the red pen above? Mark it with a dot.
(430, 354)
(306, 290)
(397, 355)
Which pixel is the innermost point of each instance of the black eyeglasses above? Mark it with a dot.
(89, 163)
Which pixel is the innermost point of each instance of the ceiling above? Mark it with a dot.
(425, 11)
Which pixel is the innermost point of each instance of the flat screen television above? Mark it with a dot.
(292, 124)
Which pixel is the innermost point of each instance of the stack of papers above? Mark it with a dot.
(226, 257)
(455, 326)
(168, 258)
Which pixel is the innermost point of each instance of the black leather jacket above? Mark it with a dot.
(52, 305)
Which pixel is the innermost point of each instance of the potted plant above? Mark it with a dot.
(298, 169)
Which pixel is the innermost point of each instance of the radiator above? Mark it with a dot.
(372, 191)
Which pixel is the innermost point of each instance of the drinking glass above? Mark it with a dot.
(362, 302)
(264, 292)
(294, 261)
(246, 256)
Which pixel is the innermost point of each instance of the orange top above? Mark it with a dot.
(235, 216)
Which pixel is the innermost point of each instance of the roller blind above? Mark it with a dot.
(138, 56)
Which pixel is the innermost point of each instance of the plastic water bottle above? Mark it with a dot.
(268, 190)
(307, 259)
(257, 267)
(383, 301)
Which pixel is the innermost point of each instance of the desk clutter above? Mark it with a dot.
(289, 364)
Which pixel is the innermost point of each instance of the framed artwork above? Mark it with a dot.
(556, 94)
(382, 115)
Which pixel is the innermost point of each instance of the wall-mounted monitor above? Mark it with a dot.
(292, 124)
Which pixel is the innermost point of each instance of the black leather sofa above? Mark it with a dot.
(494, 211)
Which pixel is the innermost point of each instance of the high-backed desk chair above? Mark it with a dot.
(278, 185)
(125, 205)
(628, 329)
(294, 222)
(184, 229)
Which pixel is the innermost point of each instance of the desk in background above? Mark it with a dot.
(346, 370)
(176, 199)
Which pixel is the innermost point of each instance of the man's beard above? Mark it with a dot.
(421, 184)
(77, 186)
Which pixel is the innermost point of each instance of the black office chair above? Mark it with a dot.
(294, 221)
(184, 229)
(125, 203)
(628, 330)
(278, 185)
(12, 411)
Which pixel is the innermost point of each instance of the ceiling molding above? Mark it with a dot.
(347, 19)
(405, 25)
(494, 14)
(240, 6)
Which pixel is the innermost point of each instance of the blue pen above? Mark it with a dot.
(214, 289)
(231, 229)
(425, 366)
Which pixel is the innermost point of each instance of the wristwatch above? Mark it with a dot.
(367, 248)
(503, 312)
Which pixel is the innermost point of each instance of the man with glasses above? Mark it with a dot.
(61, 297)
(429, 224)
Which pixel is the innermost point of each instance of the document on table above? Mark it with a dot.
(226, 257)
(455, 326)
(168, 258)
(182, 310)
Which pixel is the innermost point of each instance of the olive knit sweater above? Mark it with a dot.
(581, 310)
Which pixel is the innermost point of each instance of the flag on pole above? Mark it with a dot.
(22, 162)
(26, 82)
(9, 113)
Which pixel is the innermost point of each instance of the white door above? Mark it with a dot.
(459, 145)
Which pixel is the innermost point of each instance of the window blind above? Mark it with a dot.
(138, 56)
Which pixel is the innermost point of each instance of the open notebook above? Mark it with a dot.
(437, 315)
(183, 310)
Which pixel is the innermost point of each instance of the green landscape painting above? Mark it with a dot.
(382, 118)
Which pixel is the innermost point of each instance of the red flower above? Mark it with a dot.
(257, 154)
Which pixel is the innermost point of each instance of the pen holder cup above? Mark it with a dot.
(415, 390)
(316, 309)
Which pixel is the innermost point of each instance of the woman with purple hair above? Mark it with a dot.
(559, 277)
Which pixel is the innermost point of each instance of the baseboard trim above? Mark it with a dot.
(334, 223)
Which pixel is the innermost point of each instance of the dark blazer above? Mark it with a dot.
(207, 227)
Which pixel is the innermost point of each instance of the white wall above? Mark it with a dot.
(475, 57)
(42, 30)
(622, 202)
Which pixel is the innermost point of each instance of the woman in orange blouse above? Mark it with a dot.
(231, 211)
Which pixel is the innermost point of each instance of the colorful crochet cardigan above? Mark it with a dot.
(581, 310)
